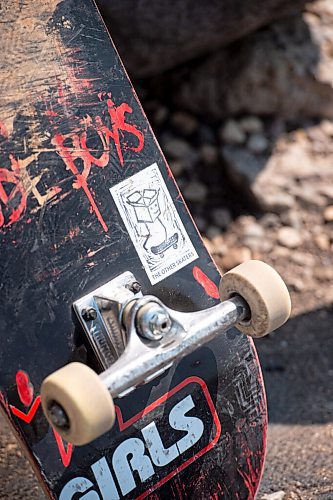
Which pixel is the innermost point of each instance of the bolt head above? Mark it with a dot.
(89, 314)
(135, 287)
(154, 322)
(160, 323)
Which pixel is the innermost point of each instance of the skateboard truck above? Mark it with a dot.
(136, 338)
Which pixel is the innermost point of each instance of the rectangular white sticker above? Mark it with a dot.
(153, 223)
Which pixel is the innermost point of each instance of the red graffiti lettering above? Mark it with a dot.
(117, 115)
(73, 148)
(16, 200)
(78, 153)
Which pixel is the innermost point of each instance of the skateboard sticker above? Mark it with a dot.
(153, 223)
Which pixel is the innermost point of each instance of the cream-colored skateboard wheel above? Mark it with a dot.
(265, 293)
(77, 393)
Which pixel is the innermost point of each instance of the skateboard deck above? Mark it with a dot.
(85, 195)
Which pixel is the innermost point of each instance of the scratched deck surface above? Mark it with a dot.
(72, 136)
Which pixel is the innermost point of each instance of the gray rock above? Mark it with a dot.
(184, 122)
(243, 167)
(232, 133)
(286, 69)
(178, 149)
(195, 191)
(257, 143)
(209, 154)
(271, 220)
(178, 167)
(152, 37)
(221, 217)
(251, 124)
(213, 232)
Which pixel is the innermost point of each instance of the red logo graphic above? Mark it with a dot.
(25, 391)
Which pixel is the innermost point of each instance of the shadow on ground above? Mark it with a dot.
(297, 365)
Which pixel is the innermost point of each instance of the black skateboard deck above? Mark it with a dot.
(82, 185)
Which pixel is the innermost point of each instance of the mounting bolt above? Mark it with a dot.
(153, 322)
(89, 314)
(135, 287)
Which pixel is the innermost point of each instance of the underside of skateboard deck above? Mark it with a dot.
(86, 195)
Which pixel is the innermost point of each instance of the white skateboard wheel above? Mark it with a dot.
(78, 393)
(265, 293)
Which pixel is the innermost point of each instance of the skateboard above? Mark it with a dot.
(122, 372)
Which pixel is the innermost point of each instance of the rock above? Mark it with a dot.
(152, 37)
(242, 166)
(278, 495)
(277, 202)
(184, 123)
(221, 217)
(255, 238)
(327, 191)
(161, 115)
(328, 213)
(253, 230)
(280, 253)
(178, 149)
(285, 70)
(257, 143)
(209, 154)
(291, 218)
(232, 133)
(259, 245)
(289, 237)
(234, 257)
(177, 167)
(323, 273)
(302, 258)
(294, 177)
(213, 232)
(296, 284)
(195, 191)
(308, 196)
(206, 134)
(251, 125)
(322, 241)
(271, 221)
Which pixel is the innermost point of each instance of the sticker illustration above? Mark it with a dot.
(153, 223)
